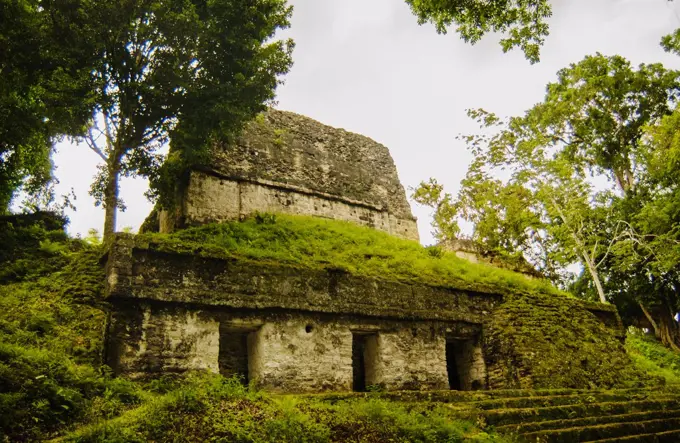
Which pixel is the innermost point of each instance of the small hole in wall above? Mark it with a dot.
(309, 328)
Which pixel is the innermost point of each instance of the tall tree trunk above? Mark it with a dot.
(650, 319)
(595, 275)
(590, 263)
(111, 197)
(669, 332)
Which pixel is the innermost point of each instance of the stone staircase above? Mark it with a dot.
(559, 415)
(638, 415)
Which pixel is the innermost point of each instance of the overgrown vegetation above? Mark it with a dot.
(52, 381)
(650, 356)
(312, 242)
(217, 409)
(51, 331)
(541, 342)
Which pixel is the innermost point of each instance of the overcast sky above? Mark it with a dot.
(366, 66)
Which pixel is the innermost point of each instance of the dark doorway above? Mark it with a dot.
(452, 366)
(465, 364)
(364, 355)
(233, 356)
(358, 362)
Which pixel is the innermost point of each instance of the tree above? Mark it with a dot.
(647, 262)
(590, 125)
(185, 70)
(45, 88)
(522, 21)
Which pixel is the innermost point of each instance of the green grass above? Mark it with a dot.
(651, 357)
(212, 408)
(318, 243)
(51, 333)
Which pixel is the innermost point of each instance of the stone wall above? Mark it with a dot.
(281, 352)
(212, 198)
(140, 271)
(295, 329)
(285, 162)
(146, 340)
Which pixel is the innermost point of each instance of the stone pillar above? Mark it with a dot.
(413, 359)
(148, 340)
(299, 355)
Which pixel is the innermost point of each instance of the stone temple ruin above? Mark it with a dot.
(295, 165)
(292, 329)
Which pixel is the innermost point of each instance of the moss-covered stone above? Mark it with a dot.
(531, 339)
(541, 341)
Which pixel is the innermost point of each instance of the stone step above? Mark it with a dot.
(560, 400)
(606, 431)
(672, 436)
(501, 417)
(474, 396)
(523, 428)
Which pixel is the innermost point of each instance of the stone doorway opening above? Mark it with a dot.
(364, 355)
(234, 352)
(462, 364)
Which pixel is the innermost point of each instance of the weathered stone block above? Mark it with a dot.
(151, 339)
(285, 162)
(301, 355)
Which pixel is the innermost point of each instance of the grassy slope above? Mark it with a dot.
(650, 356)
(51, 331)
(217, 409)
(313, 242)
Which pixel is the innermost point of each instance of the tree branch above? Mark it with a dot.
(91, 143)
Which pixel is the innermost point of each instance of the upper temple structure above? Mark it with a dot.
(188, 302)
(285, 162)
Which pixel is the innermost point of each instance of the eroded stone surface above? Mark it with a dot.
(285, 162)
(283, 352)
(292, 329)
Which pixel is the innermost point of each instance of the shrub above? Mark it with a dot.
(652, 357)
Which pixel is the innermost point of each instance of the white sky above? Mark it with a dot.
(366, 66)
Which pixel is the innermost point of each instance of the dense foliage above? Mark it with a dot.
(51, 332)
(125, 77)
(651, 357)
(586, 177)
(522, 22)
(45, 89)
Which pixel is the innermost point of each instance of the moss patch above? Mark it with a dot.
(539, 341)
(319, 243)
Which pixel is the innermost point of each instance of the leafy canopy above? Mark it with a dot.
(184, 70)
(538, 184)
(45, 88)
(524, 22)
